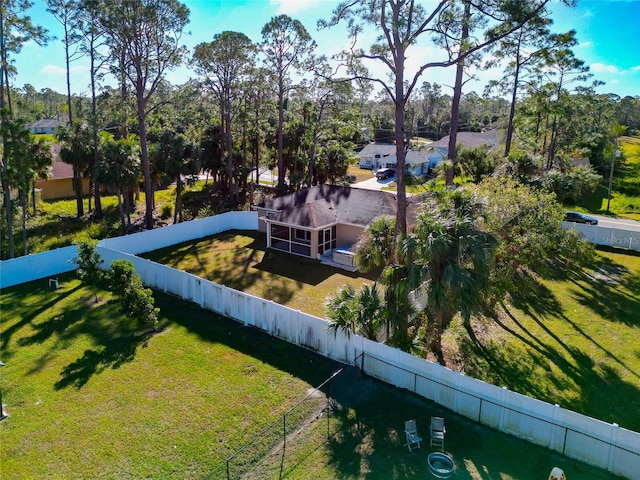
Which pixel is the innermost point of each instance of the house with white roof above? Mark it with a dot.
(373, 156)
(48, 126)
(421, 161)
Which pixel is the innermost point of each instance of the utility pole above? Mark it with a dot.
(615, 155)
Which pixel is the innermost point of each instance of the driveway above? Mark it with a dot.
(374, 184)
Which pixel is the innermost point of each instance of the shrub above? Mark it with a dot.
(136, 301)
(166, 211)
(476, 162)
(88, 263)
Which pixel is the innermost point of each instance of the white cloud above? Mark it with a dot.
(56, 70)
(585, 44)
(615, 81)
(53, 70)
(636, 68)
(602, 68)
(290, 7)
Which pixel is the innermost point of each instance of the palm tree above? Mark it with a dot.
(119, 167)
(361, 312)
(455, 253)
(77, 152)
(380, 246)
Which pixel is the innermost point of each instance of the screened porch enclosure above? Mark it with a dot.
(300, 241)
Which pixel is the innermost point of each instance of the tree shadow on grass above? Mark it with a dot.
(606, 291)
(45, 291)
(211, 327)
(116, 341)
(240, 260)
(520, 370)
(367, 439)
(536, 299)
(94, 361)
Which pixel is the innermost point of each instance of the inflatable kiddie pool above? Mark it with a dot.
(440, 465)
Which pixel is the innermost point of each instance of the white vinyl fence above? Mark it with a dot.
(577, 436)
(610, 237)
(151, 240)
(40, 265)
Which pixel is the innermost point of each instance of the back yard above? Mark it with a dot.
(90, 396)
(575, 345)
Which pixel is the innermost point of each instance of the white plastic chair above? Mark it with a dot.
(437, 431)
(411, 432)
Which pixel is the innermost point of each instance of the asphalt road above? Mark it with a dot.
(620, 223)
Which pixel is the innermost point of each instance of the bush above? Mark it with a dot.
(476, 162)
(166, 211)
(136, 301)
(572, 185)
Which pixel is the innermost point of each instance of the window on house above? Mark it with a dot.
(294, 240)
(302, 235)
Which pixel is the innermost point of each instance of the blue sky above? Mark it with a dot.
(607, 30)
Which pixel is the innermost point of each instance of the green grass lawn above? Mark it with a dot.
(240, 260)
(55, 225)
(576, 345)
(361, 174)
(90, 396)
(625, 196)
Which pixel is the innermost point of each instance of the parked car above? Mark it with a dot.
(578, 217)
(384, 173)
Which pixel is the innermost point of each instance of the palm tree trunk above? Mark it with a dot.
(121, 210)
(23, 202)
(436, 343)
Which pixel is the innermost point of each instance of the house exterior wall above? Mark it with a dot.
(314, 244)
(348, 234)
(60, 188)
(44, 130)
(373, 162)
(262, 225)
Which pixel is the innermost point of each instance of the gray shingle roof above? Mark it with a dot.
(325, 205)
(47, 123)
(469, 139)
(382, 149)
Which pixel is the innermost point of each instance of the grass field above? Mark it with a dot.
(240, 260)
(56, 224)
(625, 196)
(89, 396)
(576, 345)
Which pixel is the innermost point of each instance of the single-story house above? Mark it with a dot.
(381, 155)
(440, 149)
(421, 161)
(373, 155)
(417, 162)
(59, 183)
(324, 219)
(49, 126)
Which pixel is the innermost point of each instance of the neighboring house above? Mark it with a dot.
(59, 183)
(325, 219)
(380, 155)
(46, 126)
(440, 149)
(417, 162)
(421, 161)
(373, 156)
